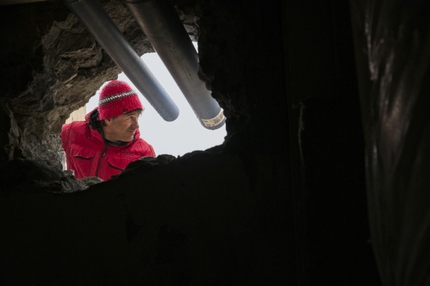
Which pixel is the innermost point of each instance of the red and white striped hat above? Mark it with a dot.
(117, 98)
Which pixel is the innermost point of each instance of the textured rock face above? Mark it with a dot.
(394, 75)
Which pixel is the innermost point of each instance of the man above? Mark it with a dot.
(108, 140)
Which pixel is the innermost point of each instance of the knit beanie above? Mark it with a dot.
(117, 98)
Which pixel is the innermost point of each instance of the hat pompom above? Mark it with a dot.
(117, 98)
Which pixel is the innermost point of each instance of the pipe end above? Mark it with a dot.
(215, 122)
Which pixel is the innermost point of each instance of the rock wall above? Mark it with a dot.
(281, 202)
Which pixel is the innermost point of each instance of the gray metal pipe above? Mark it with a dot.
(162, 26)
(104, 30)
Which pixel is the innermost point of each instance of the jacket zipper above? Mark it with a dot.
(100, 159)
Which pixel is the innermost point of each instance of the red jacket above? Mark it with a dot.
(88, 155)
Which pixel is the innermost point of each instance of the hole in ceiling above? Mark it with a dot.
(181, 136)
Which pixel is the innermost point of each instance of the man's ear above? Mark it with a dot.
(108, 121)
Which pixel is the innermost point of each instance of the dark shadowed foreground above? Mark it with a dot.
(322, 178)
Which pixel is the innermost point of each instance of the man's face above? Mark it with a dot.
(122, 128)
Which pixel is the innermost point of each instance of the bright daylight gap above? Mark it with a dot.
(176, 138)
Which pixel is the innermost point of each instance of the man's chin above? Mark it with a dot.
(129, 139)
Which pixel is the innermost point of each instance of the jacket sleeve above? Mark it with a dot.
(65, 131)
(145, 149)
(151, 151)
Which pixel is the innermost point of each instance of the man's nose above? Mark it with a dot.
(135, 123)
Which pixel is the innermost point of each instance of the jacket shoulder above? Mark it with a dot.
(71, 130)
(143, 147)
(73, 126)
